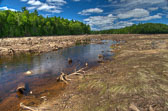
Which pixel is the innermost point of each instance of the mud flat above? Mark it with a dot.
(135, 79)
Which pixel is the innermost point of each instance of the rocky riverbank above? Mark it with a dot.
(37, 45)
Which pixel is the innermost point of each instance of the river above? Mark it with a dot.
(45, 68)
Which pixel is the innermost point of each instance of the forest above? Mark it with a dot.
(23, 23)
(147, 28)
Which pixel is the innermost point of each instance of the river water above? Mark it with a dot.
(45, 68)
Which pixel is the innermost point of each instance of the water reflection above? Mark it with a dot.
(49, 64)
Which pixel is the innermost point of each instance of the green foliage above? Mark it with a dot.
(24, 23)
(147, 28)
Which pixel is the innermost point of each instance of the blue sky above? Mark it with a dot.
(99, 14)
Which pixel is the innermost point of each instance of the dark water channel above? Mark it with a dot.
(48, 65)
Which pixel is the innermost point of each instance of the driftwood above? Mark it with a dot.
(28, 107)
(78, 72)
(64, 77)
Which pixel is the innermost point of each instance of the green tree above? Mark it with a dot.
(24, 23)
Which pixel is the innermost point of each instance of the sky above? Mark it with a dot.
(99, 14)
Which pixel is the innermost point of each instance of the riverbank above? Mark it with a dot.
(38, 45)
(136, 78)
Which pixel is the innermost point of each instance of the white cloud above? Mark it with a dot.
(31, 8)
(135, 10)
(165, 8)
(122, 6)
(148, 18)
(114, 21)
(91, 10)
(46, 7)
(53, 6)
(133, 3)
(33, 2)
(106, 22)
(100, 20)
(122, 24)
(55, 11)
(6, 8)
(57, 2)
(49, 8)
(135, 13)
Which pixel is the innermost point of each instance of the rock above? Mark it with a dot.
(101, 56)
(6, 66)
(100, 61)
(69, 60)
(40, 39)
(28, 73)
(31, 92)
(86, 64)
(28, 39)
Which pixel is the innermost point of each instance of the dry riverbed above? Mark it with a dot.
(136, 79)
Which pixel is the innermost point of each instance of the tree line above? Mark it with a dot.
(23, 23)
(147, 28)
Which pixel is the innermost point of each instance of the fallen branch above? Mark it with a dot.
(78, 72)
(28, 107)
(64, 77)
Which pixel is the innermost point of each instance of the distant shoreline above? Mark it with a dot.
(38, 45)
